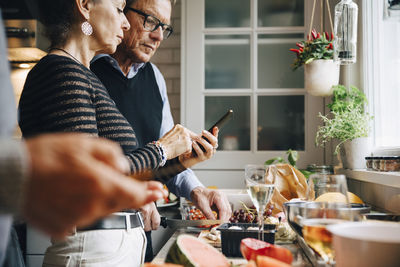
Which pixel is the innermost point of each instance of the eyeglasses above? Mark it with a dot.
(152, 23)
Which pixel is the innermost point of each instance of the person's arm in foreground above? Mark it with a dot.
(75, 180)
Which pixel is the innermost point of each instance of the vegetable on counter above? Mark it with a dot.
(251, 248)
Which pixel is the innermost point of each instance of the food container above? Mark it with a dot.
(230, 238)
(390, 164)
(368, 162)
(323, 169)
(185, 207)
(294, 212)
(376, 163)
(367, 244)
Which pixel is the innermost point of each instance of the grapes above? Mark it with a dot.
(249, 215)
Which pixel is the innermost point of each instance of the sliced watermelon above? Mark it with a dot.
(193, 252)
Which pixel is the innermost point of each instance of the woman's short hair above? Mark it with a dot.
(58, 17)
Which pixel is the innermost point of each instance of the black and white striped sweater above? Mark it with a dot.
(62, 95)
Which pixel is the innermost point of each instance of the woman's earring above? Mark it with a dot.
(87, 29)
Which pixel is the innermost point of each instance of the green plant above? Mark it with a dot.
(317, 46)
(292, 158)
(347, 119)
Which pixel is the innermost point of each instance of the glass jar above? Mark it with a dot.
(376, 163)
(390, 164)
(324, 169)
(368, 162)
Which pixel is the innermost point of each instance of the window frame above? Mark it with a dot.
(192, 112)
(372, 12)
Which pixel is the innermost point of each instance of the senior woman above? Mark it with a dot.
(62, 94)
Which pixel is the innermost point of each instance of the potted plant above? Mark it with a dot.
(348, 122)
(320, 71)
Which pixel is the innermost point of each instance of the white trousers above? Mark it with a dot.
(99, 248)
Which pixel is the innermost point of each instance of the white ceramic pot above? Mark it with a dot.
(320, 75)
(366, 244)
(353, 153)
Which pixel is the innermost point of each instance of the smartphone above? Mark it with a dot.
(223, 120)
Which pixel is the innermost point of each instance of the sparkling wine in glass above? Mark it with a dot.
(260, 183)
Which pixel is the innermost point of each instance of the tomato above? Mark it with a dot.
(251, 248)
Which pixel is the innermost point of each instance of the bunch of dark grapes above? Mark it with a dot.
(249, 215)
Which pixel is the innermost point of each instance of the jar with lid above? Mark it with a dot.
(390, 164)
(368, 162)
(323, 169)
(376, 163)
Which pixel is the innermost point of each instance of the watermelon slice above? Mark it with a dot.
(193, 252)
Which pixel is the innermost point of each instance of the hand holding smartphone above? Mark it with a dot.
(220, 123)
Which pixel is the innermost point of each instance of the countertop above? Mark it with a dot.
(300, 258)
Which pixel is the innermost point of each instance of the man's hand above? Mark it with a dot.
(207, 200)
(75, 180)
(151, 217)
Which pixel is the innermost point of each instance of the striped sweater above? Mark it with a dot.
(62, 95)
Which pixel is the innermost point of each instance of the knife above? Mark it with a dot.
(177, 223)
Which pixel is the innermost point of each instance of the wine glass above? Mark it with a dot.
(260, 183)
(317, 216)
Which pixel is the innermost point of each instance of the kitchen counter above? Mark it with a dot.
(300, 258)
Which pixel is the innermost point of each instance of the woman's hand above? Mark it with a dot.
(210, 147)
(177, 141)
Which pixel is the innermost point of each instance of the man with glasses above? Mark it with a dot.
(139, 91)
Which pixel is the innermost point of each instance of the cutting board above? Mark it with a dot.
(215, 243)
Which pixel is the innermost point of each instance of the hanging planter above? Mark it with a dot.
(316, 55)
(320, 76)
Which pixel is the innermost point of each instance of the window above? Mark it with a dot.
(382, 79)
(236, 55)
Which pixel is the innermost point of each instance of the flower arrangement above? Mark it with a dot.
(347, 119)
(317, 46)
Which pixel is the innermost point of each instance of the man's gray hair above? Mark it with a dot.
(131, 2)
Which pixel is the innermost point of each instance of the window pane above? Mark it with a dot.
(227, 62)
(278, 13)
(235, 135)
(387, 110)
(227, 13)
(280, 123)
(275, 60)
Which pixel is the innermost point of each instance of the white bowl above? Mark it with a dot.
(366, 244)
(237, 197)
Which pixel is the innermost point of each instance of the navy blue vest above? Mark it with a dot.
(138, 99)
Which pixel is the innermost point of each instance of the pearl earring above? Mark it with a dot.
(87, 29)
